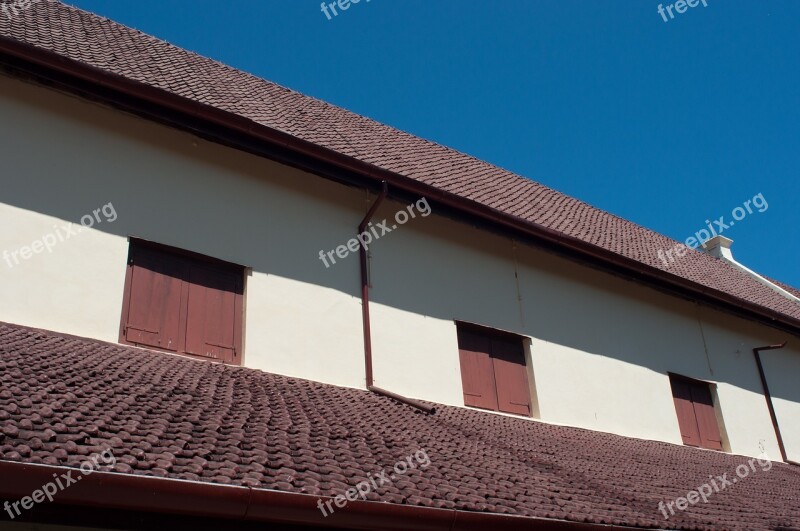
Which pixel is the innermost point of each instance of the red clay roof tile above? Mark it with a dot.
(64, 398)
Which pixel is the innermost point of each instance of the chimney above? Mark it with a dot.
(720, 248)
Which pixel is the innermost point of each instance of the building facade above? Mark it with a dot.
(590, 348)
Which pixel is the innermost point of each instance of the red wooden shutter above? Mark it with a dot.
(682, 395)
(477, 373)
(706, 418)
(154, 307)
(183, 302)
(211, 317)
(511, 375)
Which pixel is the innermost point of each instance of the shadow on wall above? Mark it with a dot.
(64, 157)
(525, 290)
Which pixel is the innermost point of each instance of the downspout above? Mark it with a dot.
(768, 396)
(362, 253)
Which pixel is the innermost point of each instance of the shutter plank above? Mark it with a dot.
(682, 395)
(706, 417)
(477, 372)
(154, 305)
(211, 315)
(511, 375)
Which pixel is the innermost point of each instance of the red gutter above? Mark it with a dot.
(768, 396)
(367, 327)
(109, 490)
(147, 93)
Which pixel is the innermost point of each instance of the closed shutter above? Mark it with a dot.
(154, 310)
(696, 416)
(477, 372)
(183, 302)
(682, 395)
(706, 418)
(211, 316)
(493, 371)
(511, 376)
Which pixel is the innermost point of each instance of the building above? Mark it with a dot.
(183, 287)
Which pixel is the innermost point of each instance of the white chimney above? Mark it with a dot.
(720, 247)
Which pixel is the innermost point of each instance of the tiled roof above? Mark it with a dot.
(101, 43)
(63, 398)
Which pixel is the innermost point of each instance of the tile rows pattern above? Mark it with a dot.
(101, 43)
(63, 398)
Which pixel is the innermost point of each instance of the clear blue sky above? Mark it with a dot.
(664, 123)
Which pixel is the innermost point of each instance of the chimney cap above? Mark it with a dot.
(718, 247)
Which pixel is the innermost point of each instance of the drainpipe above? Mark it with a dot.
(768, 396)
(362, 252)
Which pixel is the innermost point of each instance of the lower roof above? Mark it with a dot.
(64, 398)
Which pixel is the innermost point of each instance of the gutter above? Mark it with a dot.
(128, 492)
(768, 396)
(132, 96)
(367, 327)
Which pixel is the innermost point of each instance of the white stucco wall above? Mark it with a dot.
(63, 158)
(600, 347)
(782, 368)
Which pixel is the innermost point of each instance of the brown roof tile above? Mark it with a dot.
(104, 44)
(64, 398)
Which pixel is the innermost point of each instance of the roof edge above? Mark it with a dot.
(112, 490)
(594, 254)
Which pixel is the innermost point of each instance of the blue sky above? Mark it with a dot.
(667, 124)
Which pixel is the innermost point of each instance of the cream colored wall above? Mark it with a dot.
(782, 368)
(600, 346)
(63, 157)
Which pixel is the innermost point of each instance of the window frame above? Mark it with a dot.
(503, 336)
(719, 429)
(199, 260)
